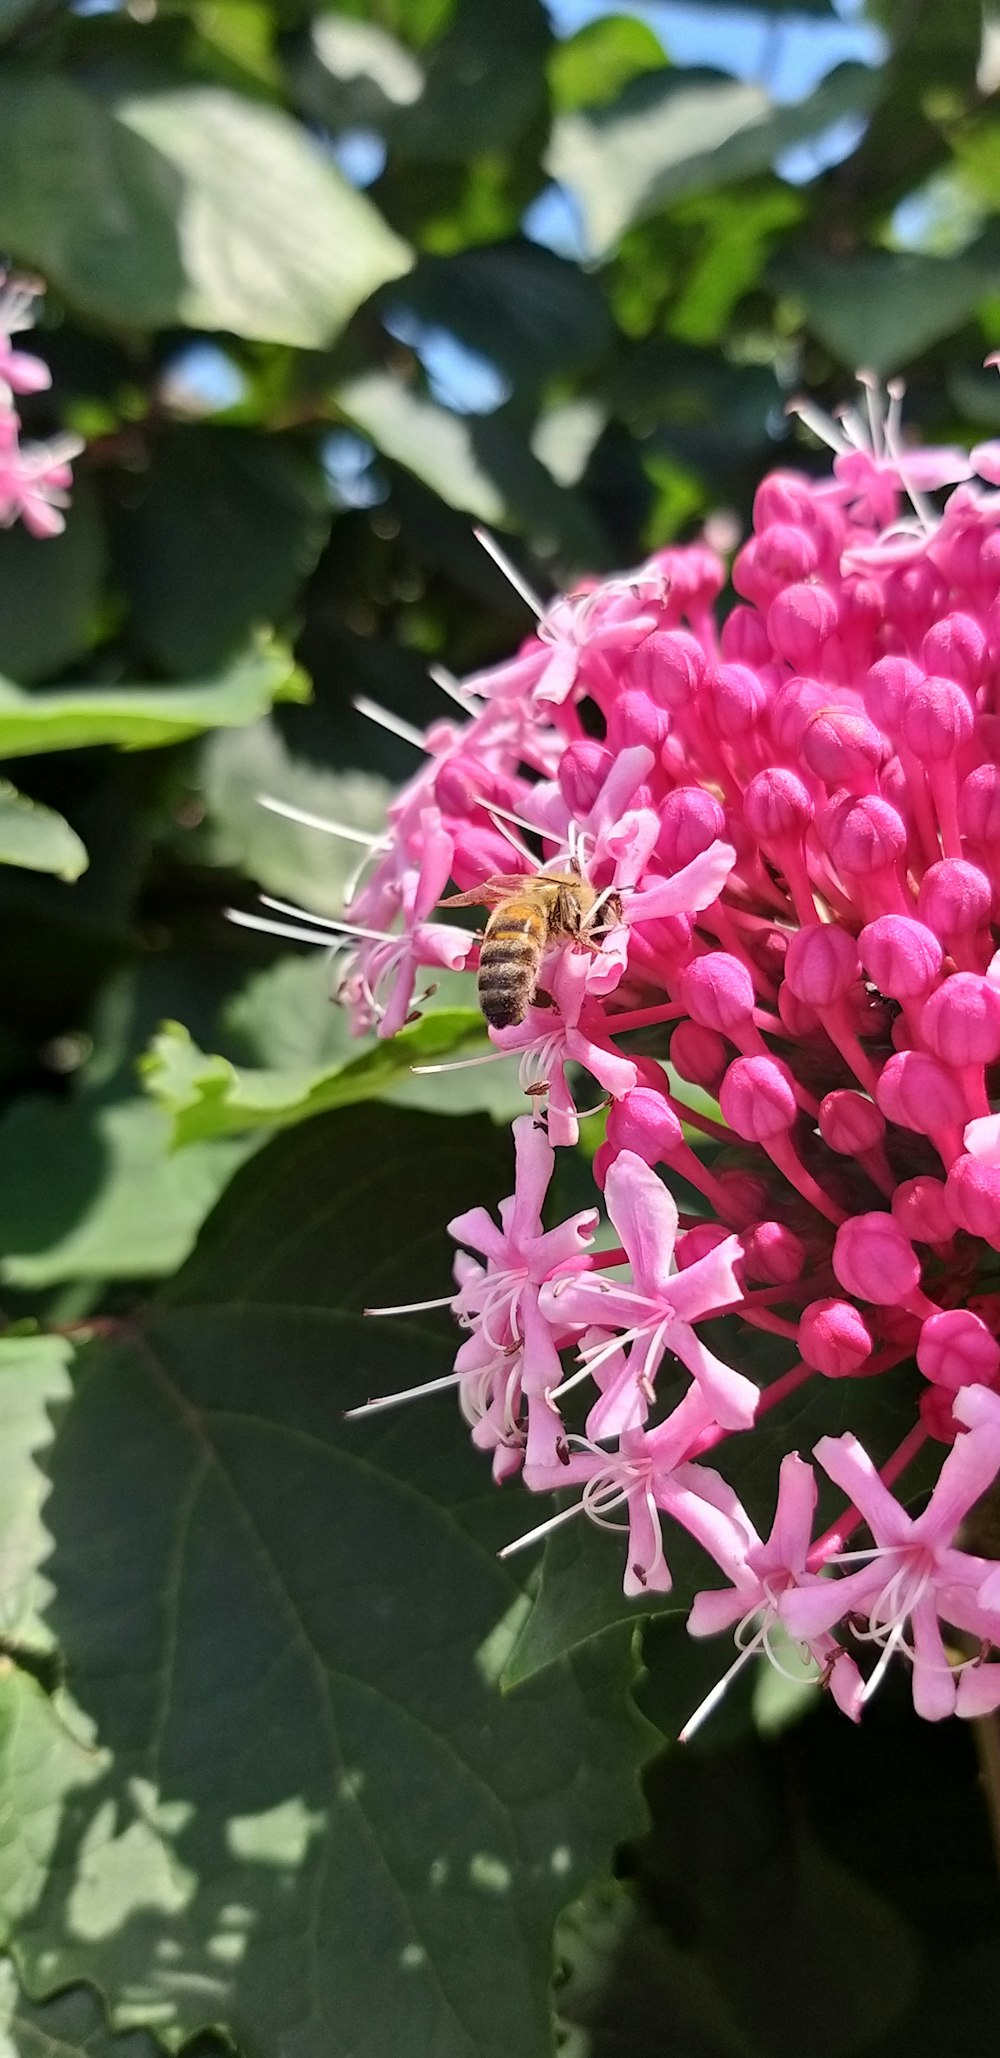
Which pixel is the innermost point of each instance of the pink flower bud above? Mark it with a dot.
(915, 594)
(744, 638)
(936, 720)
(956, 1349)
(956, 648)
(979, 806)
(886, 688)
(792, 708)
(850, 1123)
(902, 957)
(863, 835)
(757, 1098)
(739, 699)
(776, 804)
(961, 1021)
(955, 899)
(873, 1259)
(973, 1193)
(921, 1209)
(982, 1139)
(717, 992)
(643, 1122)
(583, 768)
(634, 717)
(799, 622)
(799, 1018)
(698, 1243)
(746, 1197)
(773, 1253)
(783, 497)
(786, 553)
(690, 819)
(670, 665)
(919, 1092)
(844, 748)
(821, 964)
(699, 1055)
(834, 1338)
(936, 1414)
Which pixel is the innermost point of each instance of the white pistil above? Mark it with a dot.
(511, 574)
(385, 720)
(468, 702)
(285, 929)
(287, 907)
(396, 1400)
(415, 1307)
(488, 1057)
(328, 826)
(535, 1535)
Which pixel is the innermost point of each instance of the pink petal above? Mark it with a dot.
(534, 1161)
(732, 1397)
(541, 1368)
(646, 1571)
(934, 1685)
(808, 1611)
(969, 1468)
(630, 768)
(978, 1690)
(713, 1612)
(709, 1283)
(645, 1216)
(435, 866)
(791, 1535)
(846, 1683)
(690, 890)
(478, 1229)
(849, 1466)
(985, 461)
(621, 1406)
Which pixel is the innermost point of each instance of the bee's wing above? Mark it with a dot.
(489, 894)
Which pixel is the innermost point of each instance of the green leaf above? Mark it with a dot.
(208, 1096)
(71, 2026)
(145, 717)
(92, 1190)
(580, 1592)
(188, 205)
(217, 536)
(34, 1384)
(353, 74)
(532, 313)
(671, 133)
(484, 85)
(595, 65)
(36, 837)
(284, 1632)
(50, 590)
(884, 308)
(417, 433)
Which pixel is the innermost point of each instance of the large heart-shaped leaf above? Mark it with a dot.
(145, 717)
(293, 1801)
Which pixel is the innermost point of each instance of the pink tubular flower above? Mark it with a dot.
(778, 835)
(34, 477)
(913, 1576)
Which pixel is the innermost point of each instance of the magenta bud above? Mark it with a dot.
(699, 1242)
(850, 1123)
(821, 964)
(916, 594)
(739, 699)
(873, 1259)
(919, 1092)
(936, 720)
(792, 709)
(776, 805)
(973, 1194)
(961, 1021)
(699, 1055)
(583, 768)
(799, 1018)
(783, 497)
(786, 553)
(757, 1098)
(670, 665)
(956, 1349)
(690, 819)
(843, 747)
(746, 1197)
(863, 835)
(834, 1338)
(921, 1209)
(955, 898)
(773, 1253)
(744, 638)
(886, 687)
(635, 717)
(902, 957)
(799, 622)
(717, 992)
(956, 648)
(643, 1122)
(979, 805)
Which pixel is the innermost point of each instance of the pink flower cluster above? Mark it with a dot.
(797, 807)
(34, 477)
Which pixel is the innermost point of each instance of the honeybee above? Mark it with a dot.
(530, 911)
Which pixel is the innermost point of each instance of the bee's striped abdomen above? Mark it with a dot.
(509, 957)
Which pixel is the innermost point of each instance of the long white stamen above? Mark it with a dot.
(323, 822)
(531, 1536)
(394, 723)
(883, 1664)
(414, 1307)
(820, 423)
(510, 571)
(488, 1057)
(719, 1690)
(493, 808)
(468, 702)
(287, 907)
(395, 1400)
(286, 929)
(514, 841)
